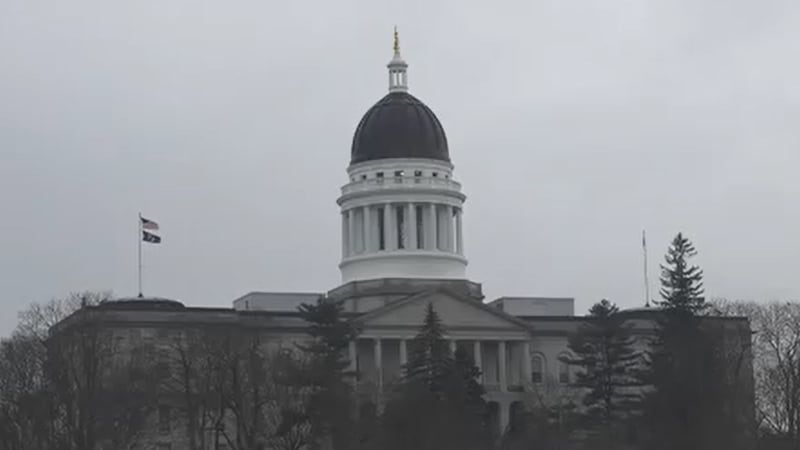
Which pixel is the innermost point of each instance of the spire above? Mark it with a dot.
(398, 79)
(396, 42)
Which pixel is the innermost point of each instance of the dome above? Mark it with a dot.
(141, 303)
(399, 126)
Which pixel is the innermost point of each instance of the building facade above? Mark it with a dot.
(403, 247)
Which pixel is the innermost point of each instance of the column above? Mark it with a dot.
(389, 236)
(476, 355)
(353, 356)
(501, 362)
(351, 225)
(448, 227)
(369, 245)
(411, 220)
(505, 414)
(345, 236)
(403, 352)
(431, 228)
(459, 236)
(452, 346)
(379, 363)
(526, 364)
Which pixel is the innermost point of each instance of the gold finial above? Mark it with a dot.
(396, 41)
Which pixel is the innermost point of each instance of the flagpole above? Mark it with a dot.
(646, 282)
(139, 240)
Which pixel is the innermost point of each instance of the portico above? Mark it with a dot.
(499, 344)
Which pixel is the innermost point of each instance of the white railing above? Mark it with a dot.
(371, 184)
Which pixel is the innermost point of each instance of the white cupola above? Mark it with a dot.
(401, 209)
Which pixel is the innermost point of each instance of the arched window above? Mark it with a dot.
(563, 368)
(537, 368)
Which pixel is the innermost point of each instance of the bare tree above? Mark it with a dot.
(100, 399)
(27, 400)
(776, 363)
(234, 383)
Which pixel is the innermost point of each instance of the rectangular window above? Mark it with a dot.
(399, 173)
(537, 369)
(164, 412)
(400, 211)
(381, 229)
(417, 173)
(420, 227)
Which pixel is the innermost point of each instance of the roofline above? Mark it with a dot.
(444, 290)
(317, 294)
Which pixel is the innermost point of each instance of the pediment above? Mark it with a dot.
(453, 310)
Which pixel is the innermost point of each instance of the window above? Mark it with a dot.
(435, 174)
(417, 173)
(164, 412)
(379, 175)
(537, 368)
(399, 173)
(401, 226)
(420, 228)
(381, 230)
(563, 368)
(364, 177)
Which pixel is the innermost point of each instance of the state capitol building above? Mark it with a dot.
(403, 247)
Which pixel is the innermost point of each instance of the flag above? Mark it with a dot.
(148, 224)
(151, 238)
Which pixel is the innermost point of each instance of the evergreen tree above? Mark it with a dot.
(439, 404)
(687, 371)
(429, 361)
(329, 405)
(604, 350)
(681, 284)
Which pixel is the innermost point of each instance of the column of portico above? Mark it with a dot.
(476, 355)
(501, 358)
(353, 356)
(403, 353)
(452, 346)
(379, 364)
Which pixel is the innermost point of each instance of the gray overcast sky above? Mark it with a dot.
(572, 125)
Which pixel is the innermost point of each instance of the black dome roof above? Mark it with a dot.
(399, 126)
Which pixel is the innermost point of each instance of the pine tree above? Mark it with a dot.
(326, 376)
(684, 408)
(681, 284)
(439, 404)
(429, 361)
(604, 350)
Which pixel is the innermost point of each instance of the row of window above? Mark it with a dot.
(400, 173)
